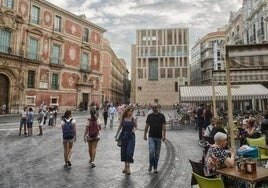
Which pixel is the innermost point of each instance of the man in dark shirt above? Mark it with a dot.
(200, 120)
(157, 123)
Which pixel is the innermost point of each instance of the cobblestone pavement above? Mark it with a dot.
(38, 161)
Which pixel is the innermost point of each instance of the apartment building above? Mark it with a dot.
(48, 54)
(160, 63)
(115, 76)
(207, 56)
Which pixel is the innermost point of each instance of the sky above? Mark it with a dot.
(123, 17)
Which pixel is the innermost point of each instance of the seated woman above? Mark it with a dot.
(217, 158)
(218, 128)
(251, 129)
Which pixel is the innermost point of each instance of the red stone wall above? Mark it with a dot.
(95, 37)
(69, 80)
(23, 9)
(47, 19)
(65, 99)
(95, 60)
(46, 47)
(72, 54)
(73, 28)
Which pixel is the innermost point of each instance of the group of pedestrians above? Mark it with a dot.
(155, 125)
(27, 118)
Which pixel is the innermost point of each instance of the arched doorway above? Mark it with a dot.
(4, 90)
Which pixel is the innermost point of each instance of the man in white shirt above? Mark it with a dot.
(111, 113)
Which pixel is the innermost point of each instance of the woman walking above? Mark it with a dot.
(127, 125)
(105, 115)
(92, 135)
(68, 125)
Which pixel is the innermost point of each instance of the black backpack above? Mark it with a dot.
(68, 131)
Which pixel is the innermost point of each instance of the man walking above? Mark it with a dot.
(111, 113)
(200, 120)
(157, 132)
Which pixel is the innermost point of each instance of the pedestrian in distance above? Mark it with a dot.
(92, 135)
(127, 126)
(156, 123)
(111, 113)
(105, 115)
(3, 109)
(201, 120)
(30, 119)
(23, 121)
(41, 120)
(68, 125)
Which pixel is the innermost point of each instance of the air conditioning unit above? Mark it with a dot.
(181, 81)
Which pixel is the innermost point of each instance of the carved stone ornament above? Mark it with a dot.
(7, 20)
(72, 53)
(95, 60)
(46, 46)
(35, 31)
(71, 81)
(73, 29)
(57, 38)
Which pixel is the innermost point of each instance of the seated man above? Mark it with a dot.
(209, 128)
(217, 158)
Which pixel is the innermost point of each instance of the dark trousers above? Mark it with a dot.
(200, 130)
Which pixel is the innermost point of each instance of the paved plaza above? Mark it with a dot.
(37, 161)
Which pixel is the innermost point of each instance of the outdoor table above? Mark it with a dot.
(264, 147)
(262, 174)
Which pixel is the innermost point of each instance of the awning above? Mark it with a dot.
(239, 93)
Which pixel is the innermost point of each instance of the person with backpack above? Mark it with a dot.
(127, 126)
(30, 119)
(68, 125)
(92, 135)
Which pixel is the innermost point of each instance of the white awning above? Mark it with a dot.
(239, 93)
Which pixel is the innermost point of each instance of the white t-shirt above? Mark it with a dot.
(68, 120)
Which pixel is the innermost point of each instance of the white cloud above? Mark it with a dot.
(122, 17)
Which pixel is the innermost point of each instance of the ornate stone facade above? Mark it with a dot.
(54, 72)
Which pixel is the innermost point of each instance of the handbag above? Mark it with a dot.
(119, 139)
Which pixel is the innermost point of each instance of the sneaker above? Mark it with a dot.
(155, 171)
(93, 165)
(150, 168)
(66, 165)
(69, 163)
(39, 134)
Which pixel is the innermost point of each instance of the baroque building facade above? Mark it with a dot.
(160, 63)
(48, 54)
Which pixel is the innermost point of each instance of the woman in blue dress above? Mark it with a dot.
(127, 125)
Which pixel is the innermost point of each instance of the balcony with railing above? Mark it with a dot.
(56, 62)
(34, 56)
(85, 69)
(55, 86)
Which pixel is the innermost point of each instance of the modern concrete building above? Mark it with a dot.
(48, 54)
(115, 76)
(160, 62)
(207, 56)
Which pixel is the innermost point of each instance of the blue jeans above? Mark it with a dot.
(111, 120)
(154, 151)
